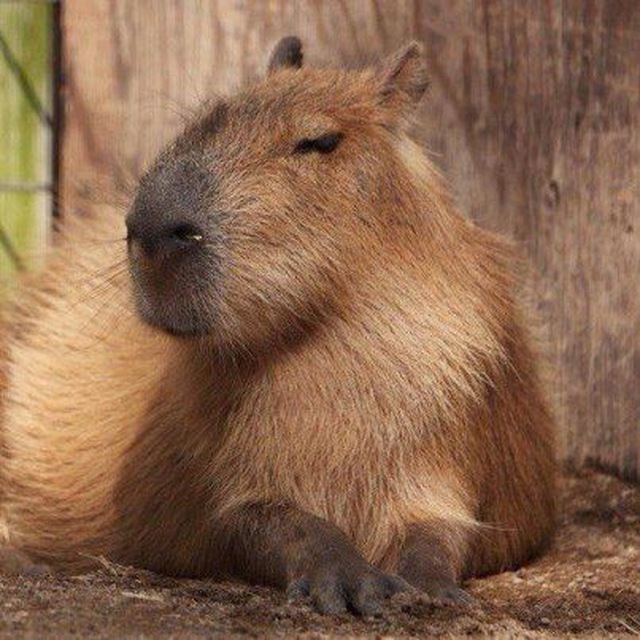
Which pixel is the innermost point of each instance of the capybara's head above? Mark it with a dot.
(249, 227)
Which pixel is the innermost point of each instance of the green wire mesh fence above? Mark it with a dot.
(27, 132)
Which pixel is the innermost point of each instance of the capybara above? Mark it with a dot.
(314, 373)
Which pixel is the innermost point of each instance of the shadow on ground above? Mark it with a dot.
(588, 584)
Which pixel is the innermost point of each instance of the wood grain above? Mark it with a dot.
(534, 114)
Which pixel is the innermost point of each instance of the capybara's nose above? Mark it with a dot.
(169, 213)
(163, 239)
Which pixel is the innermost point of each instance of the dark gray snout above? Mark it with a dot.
(168, 215)
(172, 247)
(164, 240)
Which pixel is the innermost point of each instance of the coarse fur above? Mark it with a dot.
(351, 347)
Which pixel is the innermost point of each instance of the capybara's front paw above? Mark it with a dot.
(335, 587)
(449, 594)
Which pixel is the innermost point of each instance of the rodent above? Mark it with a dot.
(318, 376)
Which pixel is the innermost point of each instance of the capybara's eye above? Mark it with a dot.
(323, 144)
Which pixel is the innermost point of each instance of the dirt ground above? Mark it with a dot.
(587, 585)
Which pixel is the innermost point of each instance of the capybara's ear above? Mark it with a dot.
(403, 75)
(287, 54)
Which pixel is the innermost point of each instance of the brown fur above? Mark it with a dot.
(368, 363)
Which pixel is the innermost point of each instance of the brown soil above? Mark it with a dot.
(588, 584)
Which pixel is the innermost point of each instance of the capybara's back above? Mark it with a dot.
(303, 367)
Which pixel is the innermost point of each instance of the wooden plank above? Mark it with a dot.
(534, 114)
(538, 126)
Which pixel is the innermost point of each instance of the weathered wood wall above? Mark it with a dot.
(534, 114)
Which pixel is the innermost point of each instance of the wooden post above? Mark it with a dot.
(534, 114)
